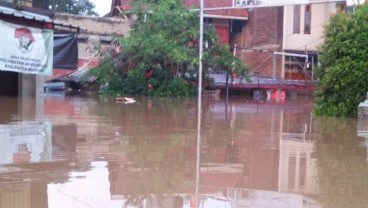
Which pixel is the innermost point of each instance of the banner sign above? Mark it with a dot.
(26, 49)
(272, 3)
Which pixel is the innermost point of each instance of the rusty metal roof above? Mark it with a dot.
(23, 13)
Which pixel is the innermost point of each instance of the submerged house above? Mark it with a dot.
(279, 41)
(29, 53)
(227, 23)
(302, 35)
(97, 39)
(13, 17)
(75, 43)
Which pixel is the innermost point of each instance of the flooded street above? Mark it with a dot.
(78, 152)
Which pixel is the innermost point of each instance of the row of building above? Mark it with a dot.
(277, 41)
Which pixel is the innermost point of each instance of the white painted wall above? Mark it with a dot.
(321, 14)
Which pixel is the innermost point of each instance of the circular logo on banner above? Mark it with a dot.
(24, 39)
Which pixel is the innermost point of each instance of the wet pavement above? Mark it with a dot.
(72, 151)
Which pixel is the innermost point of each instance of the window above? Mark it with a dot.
(303, 170)
(307, 19)
(296, 19)
(350, 9)
(291, 171)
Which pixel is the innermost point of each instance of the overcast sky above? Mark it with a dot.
(102, 6)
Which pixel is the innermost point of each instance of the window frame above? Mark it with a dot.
(296, 19)
(308, 19)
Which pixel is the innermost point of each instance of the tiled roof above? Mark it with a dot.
(126, 5)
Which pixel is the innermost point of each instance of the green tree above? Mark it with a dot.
(81, 7)
(160, 56)
(343, 80)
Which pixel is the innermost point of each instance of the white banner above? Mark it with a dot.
(26, 49)
(272, 3)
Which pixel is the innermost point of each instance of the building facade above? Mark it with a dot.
(303, 34)
(259, 38)
(96, 39)
(279, 41)
(25, 15)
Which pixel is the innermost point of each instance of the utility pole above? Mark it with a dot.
(199, 107)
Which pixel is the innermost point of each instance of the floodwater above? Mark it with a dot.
(76, 152)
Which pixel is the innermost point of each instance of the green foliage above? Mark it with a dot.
(164, 41)
(175, 87)
(135, 83)
(160, 35)
(220, 58)
(81, 7)
(344, 65)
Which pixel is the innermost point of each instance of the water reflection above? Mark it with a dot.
(25, 142)
(342, 163)
(85, 152)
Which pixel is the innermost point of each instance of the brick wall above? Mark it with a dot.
(261, 35)
(262, 62)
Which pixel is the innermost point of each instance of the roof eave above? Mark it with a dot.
(224, 17)
(34, 10)
(9, 12)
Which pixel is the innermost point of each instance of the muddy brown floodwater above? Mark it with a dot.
(68, 151)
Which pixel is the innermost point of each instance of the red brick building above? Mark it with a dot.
(253, 34)
(261, 35)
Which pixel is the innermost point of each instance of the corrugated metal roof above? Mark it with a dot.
(33, 16)
(25, 14)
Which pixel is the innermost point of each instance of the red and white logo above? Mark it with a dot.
(24, 39)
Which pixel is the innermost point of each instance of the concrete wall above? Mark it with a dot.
(321, 14)
(271, 29)
(304, 43)
(96, 33)
(30, 95)
(96, 25)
